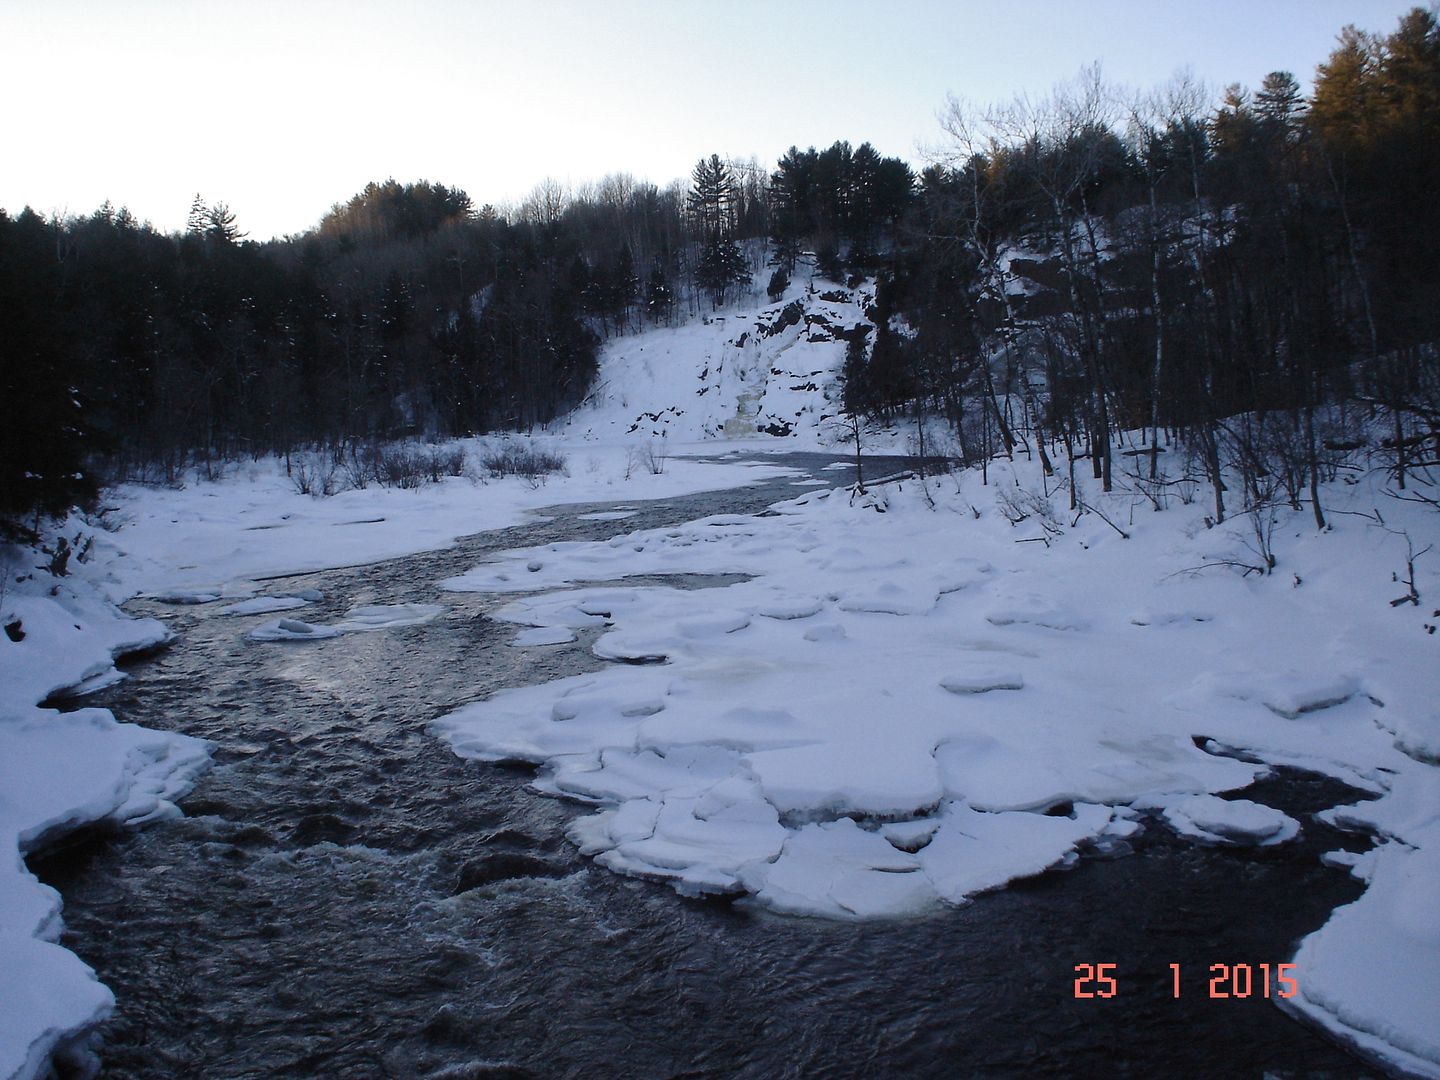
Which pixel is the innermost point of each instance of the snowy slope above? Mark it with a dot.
(751, 368)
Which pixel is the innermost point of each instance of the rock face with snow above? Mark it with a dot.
(771, 369)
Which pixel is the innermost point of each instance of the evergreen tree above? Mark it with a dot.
(779, 282)
(721, 266)
(1279, 105)
(712, 196)
(791, 202)
(199, 217)
(625, 285)
(220, 225)
(45, 439)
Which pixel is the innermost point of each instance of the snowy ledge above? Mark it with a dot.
(876, 721)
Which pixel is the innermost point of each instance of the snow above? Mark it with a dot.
(206, 542)
(71, 636)
(58, 772)
(745, 370)
(1229, 821)
(1369, 975)
(897, 711)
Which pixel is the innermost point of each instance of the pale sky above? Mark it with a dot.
(282, 108)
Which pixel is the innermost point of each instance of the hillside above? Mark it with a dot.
(753, 368)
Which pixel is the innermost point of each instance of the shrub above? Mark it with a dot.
(399, 466)
(517, 459)
(312, 474)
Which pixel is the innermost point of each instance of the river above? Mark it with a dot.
(346, 897)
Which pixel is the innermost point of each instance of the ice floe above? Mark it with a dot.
(1229, 821)
(357, 620)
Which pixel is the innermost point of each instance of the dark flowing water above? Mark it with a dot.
(345, 897)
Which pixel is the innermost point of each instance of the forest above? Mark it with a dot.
(1253, 278)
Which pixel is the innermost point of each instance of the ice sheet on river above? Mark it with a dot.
(901, 710)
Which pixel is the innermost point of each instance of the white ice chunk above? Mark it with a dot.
(982, 682)
(842, 776)
(634, 647)
(292, 630)
(910, 835)
(188, 596)
(790, 607)
(701, 854)
(1291, 696)
(837, 870)
(891, 598)
(972, 852)
(1230, 821)
(387, 616)
(619, 775)
(357, 620)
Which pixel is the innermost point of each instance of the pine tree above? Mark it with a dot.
(779, 282)
(1346, 102)
(721, 265)
(1279, 104)
(199, 216)
(791, 202)
(712, 196)
(624, 284)
(1410, 74)
(220, 225)
(659, 298)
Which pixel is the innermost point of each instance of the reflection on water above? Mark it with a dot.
(346, 897)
